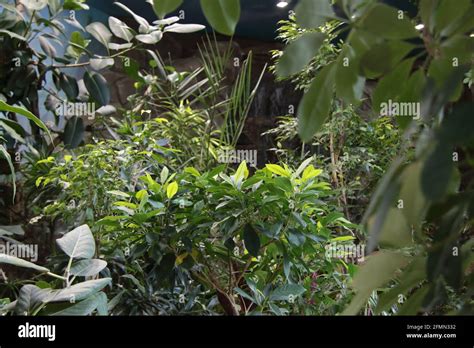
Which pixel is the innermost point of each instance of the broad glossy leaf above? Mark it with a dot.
(349, 84)
(316, 104)
(100, 32)
(74, 132)
(97, 86)
(69, 85)
(438, 169)
(391, 85)
(312, 14)
(251, 240)
(79, 243)
(382, 58)
(223, 15)
(385, 21)
(120, 29)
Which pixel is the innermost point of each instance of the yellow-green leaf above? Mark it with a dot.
(172, 189)
(276, 169)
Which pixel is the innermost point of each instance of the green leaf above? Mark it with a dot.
(349, 85)
(79, 243)
(4, 153)
(395, 232)
(74, 132)
(251, 240)
(223, 15)
(313, 14)
(69, 85)
(391, 85)
(75, 5)
(284, 292)
(447, 17)
(100, 32)
(163, 7)
(97, 86)
(413, 305)
(414, 201)
(411, 276)
(88, 268)
(382, 58)
(164, 175)
(438, 170)
(299, 54)
(316, 104)
(378, 269)
(24, 112)
(172, 189)
(386, 22)
(278, 170)
(11, 260)
(242, 172)
(11, 132)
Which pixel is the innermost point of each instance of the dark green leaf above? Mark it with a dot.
(251, 240)
(316, 104)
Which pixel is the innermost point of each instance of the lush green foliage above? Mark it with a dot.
(182, 235)
(422, 197)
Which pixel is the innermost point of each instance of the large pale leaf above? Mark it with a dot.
(79, 243)
(120, 29)
(83, 308)
(100, 32)
(88, 268)
(12, 260)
